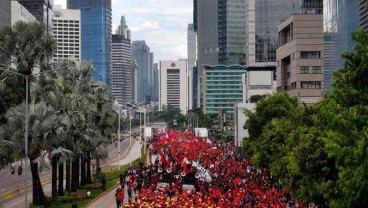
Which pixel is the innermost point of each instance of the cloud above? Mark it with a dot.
(145, 24)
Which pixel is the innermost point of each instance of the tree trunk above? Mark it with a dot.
(98, 169)
(67, 177)
(61, 180)
(89, 176)
(75, 174)
(54, 178)
(83, 171)
(38, 194)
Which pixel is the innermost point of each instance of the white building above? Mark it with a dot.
(239, 120)
(173, 88)
(258, 83)
(20, 13)
(67, 32)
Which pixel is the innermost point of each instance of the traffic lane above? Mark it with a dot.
(10, 182)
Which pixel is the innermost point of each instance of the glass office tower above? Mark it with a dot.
(96, 35)
(341, 18)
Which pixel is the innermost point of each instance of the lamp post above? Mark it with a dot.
(118, 106)
(26, 120)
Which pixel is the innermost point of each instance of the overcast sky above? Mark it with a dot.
(161, 23)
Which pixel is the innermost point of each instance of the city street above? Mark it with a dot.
(11, 182)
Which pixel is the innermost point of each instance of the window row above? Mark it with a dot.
(315, 70)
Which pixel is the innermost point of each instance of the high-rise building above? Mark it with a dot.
(67, 32)
(121, 79)
(144, 60)
(341, 18)
(262, 18)
(300, 57)
(20, 13)
(220, 27)
(41, 10)
(5, 11)
(123, 29)
(96, 34)
(173, 85)
(192, 59)
(155, 87)
(134, 74)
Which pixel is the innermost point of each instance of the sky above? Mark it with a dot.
(161, 23)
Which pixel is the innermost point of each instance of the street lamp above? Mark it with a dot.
(26, 120)
(118, 110)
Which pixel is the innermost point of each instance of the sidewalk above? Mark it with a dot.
(108, 199)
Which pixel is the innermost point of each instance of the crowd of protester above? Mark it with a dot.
(218, 176)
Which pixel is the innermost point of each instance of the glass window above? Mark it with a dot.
(304, 69)
(311, 85)
(316, 69)
(310, 54)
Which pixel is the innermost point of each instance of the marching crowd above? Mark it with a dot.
(185, 171)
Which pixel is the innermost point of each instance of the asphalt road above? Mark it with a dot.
(10, 182)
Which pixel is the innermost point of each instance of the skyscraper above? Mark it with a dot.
(134, 74)
(155, 87)
(67, 32)
(262, 18)
(220, 27)
(121, 79)
(41, 10)
(341, 18)
(123, 29)
(142, 54)
(5, 13)
(192, 59)
(96, 34)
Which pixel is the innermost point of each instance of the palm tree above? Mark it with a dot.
(23, 47)
(41, 126)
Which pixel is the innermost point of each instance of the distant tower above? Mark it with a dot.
(121, 80)
(96, 35)
(192, 58)
(144, 60)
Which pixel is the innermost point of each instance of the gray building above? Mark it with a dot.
(262, 19)
(144, 60)
(155, 87)
(5, 15)
(192, 60)
(134, 74)
(41, 10)
(220, 27)
(341, 18)
(121, 79)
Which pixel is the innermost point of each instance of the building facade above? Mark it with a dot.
(192, 60)
(173, 85)
(300, 57)
(223, 86)
(123, 29)
(156, 85)
(121, 78)
(20, 13)
(67, 32)
(135, 76)
(144, 60)
(42, 10)
(5, 13)
(341, 18)
(220, 27)
(262, 19)
(96, 34)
